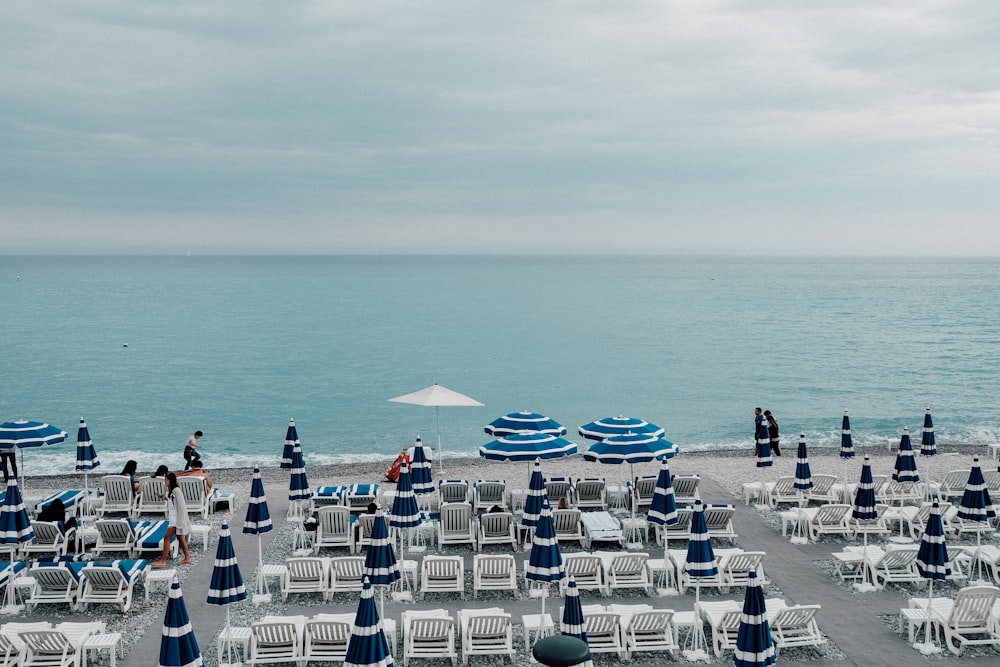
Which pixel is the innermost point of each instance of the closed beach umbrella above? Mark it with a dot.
(864, 510)
(754, 645)
(932, 564)
(545, 563)
(381, 567)
(178, 645)
(299, 492)
(906, 465)
(437, 396)
(86, 458)
(291, 439)
(927, 444)
(573, 623)
(226, 587)
(15, 529)
(663, 508)
(404, 513)
(536, 497)
(976, 505)
(602, 429)
(23, 433)
(420, 470)
(803, 474)
(846, 442)
(700, 561)
(527, 446)
(257, 522)
(764, 459)
(367, 646)
(517, 422)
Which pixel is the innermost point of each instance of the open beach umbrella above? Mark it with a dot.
(437, 396)
(178, 645)
(699, 562)
(291, 439)
(257, 522)
(927, 445)
(536, 497)
(630, 448)
(23, 433)
(381, 567)
(864, 510)
(226, 587)
(846, 442)
(86, 459)
(602, 429)
(420, 469)
(527, 446)
(299, 492)
(573, 622)
(976, 505)
(404, 513)
(518, 422)
(367, 646)
(545, 563)
(932, 564)
(663, 508)
(15, 529)
(754, 645)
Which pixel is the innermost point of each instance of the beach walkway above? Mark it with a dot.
(852, 621)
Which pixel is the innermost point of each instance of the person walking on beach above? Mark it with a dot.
(191, 449)
(772, 432)
(177, 518)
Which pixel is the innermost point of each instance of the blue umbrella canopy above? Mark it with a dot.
(86, 457)
(700, 561)
(23, 433)
(764, 459)
(178, 645)
(381, 567)
(527, 446)
(864, 497)
(536, 497)
(298, 483)
(226, 586)
(803, 474)
(932, 556)
(545, 561)
(420, 469)
(15, 525)
(846, 442)
(367, 646)
(976, 504)
(517, 422)
(573, 622)
(927, 444)
(602, 429)
(663, 507)
(404, 512)
(630, 448)
(754, 645)
(258, 519)
(906, 465)
(291, 439)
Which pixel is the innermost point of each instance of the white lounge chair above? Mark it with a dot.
(822, 489)
(604, 633)
(114, 535)
(650, 630)
(497, 528)
(48, 648)
(590, 493)
(628, 570)
(586, 569)
(326, 641)
(50, 539)
(967, 619)
(10, 655)
(486, 632)
(988, 556)
(783, 491)
(568, 525)
(309, 574)
(953, 484)
(735, 568)
(274, 641)
(347, 574)
(442, 574)
(895, 566)
(686, 489)
(117, 495)
(428, 634)
(195, 494)
(333, 528)
(455, 525)
(719, 522)
(489, 493)
(494, 573)
(642, 492)
(363, 525)
(152, 498)
(110, 584)
(361, 496)
(453, 491)
(55, 583)
(795, 626)
(830, 519)
(680, 530)
(723, 619)
(557, 488)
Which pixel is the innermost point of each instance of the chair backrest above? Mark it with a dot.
(440, 568)
(557, 488)
(328, 632)
(785, 486)
(305, 568)
(334, 519)
(686, 487)
(896, 559)
(47, 533)
(822, 484)
(491, 492)
(47, 643)
(644, 487)
(590, 489)
(152, 492)
(430, 630)
(799, 616)
(747, 561)
(115, 530)
(581, 564)
(365, 524)
(118, 491)
(453, 491)
(489, 626)
(629, 563)
(832, 514)
(348, 567)
(456, 517)
(271, 634)
(955, 480)
(567, 522)
(651, 622)
(717, 516)
(495, 566)
(605, 624)
(104, 578)
(973, 606)
(496, 524)
(193, 488)
(54, 578)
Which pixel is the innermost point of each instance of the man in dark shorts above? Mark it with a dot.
(191, 449)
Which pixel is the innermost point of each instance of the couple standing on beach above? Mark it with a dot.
(765, 430)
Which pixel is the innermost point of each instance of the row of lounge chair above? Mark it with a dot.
(78, 584)
(971, 618)
(41, 644)
(836, 519)
(118, 496)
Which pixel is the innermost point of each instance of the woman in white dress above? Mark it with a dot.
(179, 524)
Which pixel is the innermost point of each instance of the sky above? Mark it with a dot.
(673, 127)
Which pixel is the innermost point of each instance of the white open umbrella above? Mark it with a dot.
(437, 396)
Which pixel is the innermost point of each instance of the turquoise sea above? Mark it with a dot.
(235, 346)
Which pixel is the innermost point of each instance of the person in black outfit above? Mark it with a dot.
(56, 513)
(772, 432)
(8, 455)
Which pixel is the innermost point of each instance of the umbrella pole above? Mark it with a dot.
(929, 646)
(437, 420)
(229, 637)
(260, 565)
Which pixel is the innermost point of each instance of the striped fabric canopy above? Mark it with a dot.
(527, 446)
(178, 645)
(367, 646)
(905, 469)
(754, 645)
(536, 497)
(226, 586)
(404, 512)
(258, 519)
(298, 483)
(86, 457)
(928, 447)
(602, 429)
(291, 439)
(23, 433)
(381, 566)
(518, 422)
(976, 503)
(803, 474)
(864, 497)
(420, 469)
(846, 442)
(630, 448)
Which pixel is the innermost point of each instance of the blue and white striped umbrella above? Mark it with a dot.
(927, 444)
(226, 586)
(754, 645)
(86, 457)
(536, 497)
(864, 497)
(545, 562)
(976, 504)
(932, 564)
(420, 469)
(23, 433)
(602, 429)
(764, 459)
(573, 622)
(630, 448)
(846, 442)
(518, 422)
(291, 439)
(803, 474)
(15, 525)
(906, 464)
(178, 645)
(700, 560)
(527, 446)
(257, 522)
(298, 484)
(367, 646)
(663, 507)
(381, 567)
(404, 512)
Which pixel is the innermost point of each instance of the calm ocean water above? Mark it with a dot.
(235, 346)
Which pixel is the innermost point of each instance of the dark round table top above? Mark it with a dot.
(560, 651)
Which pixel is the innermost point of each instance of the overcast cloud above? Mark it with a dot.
(692, 127)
